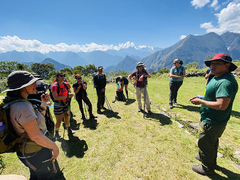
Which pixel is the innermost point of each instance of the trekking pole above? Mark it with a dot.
(108, 105)
(144, 97)
(85, 109)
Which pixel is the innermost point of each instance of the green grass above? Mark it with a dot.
(124, 145)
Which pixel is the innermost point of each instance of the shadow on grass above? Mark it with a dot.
(110, 113)
(73, 124)
(188, 107)
(163, 119)
(229, 174)
(130, 101)
(74, 146)
(91, 124)
(235, 114)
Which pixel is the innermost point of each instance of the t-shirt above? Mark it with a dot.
(63, 90)
(137, 75)
(177, 71)
(22, 113)
(122, 79)
(222, 86)
(81, 93)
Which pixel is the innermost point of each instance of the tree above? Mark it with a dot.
(67, 71)
(89, 69)
(42, 69)
(6, 67)
(164, 70)
(194, 66)
(78, 70)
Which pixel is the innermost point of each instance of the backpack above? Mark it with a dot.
(120, 96)
(144, 79)
(10, 142)
(58, 90)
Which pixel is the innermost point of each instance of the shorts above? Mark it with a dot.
(125, 81)
(60, 107)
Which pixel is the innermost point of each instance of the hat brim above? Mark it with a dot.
(232, 67)
(22, 86)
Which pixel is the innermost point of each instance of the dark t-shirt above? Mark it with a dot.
(81, 93)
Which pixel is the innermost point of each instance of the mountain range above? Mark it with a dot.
(190, 49)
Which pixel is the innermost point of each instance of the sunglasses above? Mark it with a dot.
(79, 78)
(62, 75)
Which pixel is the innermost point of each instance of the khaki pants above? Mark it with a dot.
(143, 91)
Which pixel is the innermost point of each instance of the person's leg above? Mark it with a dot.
(66, 114)
(58, 112)
(146, 98)
(178, 85)
(138, 96)
(208, 144)
(103, 99)
(171, 95)
(126, 90)
(89, 104)
(81, 107)
(98, 101)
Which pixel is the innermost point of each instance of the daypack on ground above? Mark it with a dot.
(10, 142)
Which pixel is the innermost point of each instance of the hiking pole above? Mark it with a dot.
(108, 105)
(144, 97)
(85, 109)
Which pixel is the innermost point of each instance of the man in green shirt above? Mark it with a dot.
(216, 107)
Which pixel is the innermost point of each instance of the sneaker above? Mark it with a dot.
(170, 106)
(176, 103)
(114, 101)
(57, 137)
(99, 112)
(197, 157)
(139, 110)
(149, 112)
(201, 170)
(70, 131)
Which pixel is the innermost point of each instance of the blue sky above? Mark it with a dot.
(86, 25)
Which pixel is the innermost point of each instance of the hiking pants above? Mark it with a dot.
(174, 87)
(208, 143)
(88, 103)
(143, 91)
(44, 170)
(101, 99)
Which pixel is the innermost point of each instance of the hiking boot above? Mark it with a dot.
(114, 101)
(57, 137)
(99, 111)
(104, 108)
(140, 110)
(92, 116)
(170, 106)
(70, 131)
(176, 103)
(197, 157)
(201, 170)
(149, 112)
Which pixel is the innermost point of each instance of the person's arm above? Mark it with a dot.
(208, 75)
(130, 79)
(35, 135)
(45, 98)
(221, 103)
(177, 76)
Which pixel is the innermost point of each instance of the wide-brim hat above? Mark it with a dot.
(222, 57)
(19, 79)
(140, 64)
(100, 67)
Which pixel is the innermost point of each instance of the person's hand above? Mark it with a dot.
(45, 97)
(55, 153)
(195, 100)
(141, 78)
(70, 95)
(102, 90)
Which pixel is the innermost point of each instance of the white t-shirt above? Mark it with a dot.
(22, 113)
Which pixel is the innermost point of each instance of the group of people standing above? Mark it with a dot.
(40, 152)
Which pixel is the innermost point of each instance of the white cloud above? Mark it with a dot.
(215, 5)
(228, 20)
(9, 43)
(207, 25)
(199, 3)
(183, 36)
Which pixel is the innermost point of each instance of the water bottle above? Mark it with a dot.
(2, 127)
(118, 86)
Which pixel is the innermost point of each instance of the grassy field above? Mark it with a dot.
(122, 144)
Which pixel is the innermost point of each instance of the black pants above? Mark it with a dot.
(101, 99)
(40, 160)
(88, 103)
(174, 87)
